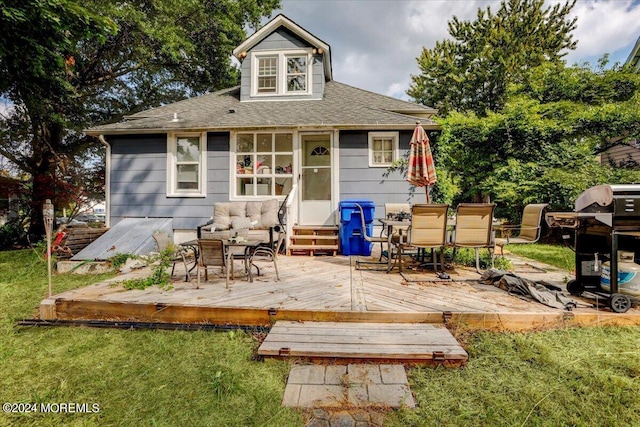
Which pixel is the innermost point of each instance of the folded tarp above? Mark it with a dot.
(520, 286)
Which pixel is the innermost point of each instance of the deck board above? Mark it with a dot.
(361, 341)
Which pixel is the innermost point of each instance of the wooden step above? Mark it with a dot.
(315, 228)
(314, 240)
(313, 250)
(407, 342)
(313, 237)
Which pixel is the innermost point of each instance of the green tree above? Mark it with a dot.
(68, 64)
(471, 72)
(542, 145)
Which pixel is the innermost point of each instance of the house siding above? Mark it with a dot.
(139, 180)
(622, 153)
(359, 181)
(282, 40)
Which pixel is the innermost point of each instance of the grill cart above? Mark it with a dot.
(606, 228)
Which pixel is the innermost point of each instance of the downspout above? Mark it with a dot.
(107, 181)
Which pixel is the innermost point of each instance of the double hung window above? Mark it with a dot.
(186, 165)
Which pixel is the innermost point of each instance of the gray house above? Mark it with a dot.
(289, 128)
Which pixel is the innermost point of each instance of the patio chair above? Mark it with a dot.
(428, 229)
(177, 254)
(263, 253)
(391, 209)
(281, 228)
(371, 239)
(474, 228)
(212, 254)
(529, 230)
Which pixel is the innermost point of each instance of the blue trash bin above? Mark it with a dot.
(352, 241)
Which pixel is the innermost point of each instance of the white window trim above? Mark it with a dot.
(281, 73)
(172, 144)
(396, 148)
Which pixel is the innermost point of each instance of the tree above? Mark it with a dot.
(542, 145)
(69, 64)
(472, 71)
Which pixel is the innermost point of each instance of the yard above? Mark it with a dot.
(585, 376)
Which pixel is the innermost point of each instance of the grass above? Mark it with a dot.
(579, 377)
(138, 377)
(555, 255)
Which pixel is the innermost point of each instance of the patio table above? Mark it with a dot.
(248, 245)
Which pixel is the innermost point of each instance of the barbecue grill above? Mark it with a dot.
(606, 225)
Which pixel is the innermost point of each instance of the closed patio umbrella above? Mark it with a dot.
(421, 171)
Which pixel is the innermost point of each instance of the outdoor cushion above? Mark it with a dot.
(261, 215)
(240, 223)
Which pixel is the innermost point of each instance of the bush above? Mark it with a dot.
(12, 234)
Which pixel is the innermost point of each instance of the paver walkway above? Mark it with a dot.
(354, 385)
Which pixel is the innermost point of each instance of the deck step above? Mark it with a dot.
(313, 250)
(314, 240)
(320, 228)
(421, 343)
(313, 237)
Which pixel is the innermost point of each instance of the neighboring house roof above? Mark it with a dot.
(282, 21)
(634, 56)
(342, 107)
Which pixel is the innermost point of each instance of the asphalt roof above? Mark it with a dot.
(342, 107)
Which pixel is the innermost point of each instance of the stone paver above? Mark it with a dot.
(393, 374)
(391, 395)
(364, 374)
(307, 374)
(335, 374)
(314, 395)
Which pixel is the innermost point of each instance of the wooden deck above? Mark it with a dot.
(328, 288)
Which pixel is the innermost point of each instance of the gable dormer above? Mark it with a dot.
(283, 61)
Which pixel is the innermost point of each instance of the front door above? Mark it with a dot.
(316, 207)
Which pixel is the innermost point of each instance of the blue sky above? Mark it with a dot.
(375, 43)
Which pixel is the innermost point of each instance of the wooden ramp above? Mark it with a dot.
(421, 343)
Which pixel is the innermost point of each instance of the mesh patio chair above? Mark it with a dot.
(529, 230)
(164, 242)
(263, 253)
(428, 229)
(212, 254)
(474, 228)
(371, 239)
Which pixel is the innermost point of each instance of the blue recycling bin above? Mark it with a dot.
(352, 241)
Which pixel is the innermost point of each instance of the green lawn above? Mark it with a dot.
(556, 255)
(581, 377)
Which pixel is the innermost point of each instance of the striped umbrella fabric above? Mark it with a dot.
(421, 171)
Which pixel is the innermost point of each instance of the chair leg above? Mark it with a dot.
(198, 276)
(187, 277)
(275, 266)
(478, 260)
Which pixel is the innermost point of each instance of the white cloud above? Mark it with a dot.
(375, 43)
(605, 27)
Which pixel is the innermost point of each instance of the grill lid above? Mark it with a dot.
(606, 198)
(595, 199)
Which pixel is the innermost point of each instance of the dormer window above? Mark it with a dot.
(296, 73)
(281, 73)
(267, 74)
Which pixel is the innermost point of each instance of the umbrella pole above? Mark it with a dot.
(426, 189)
